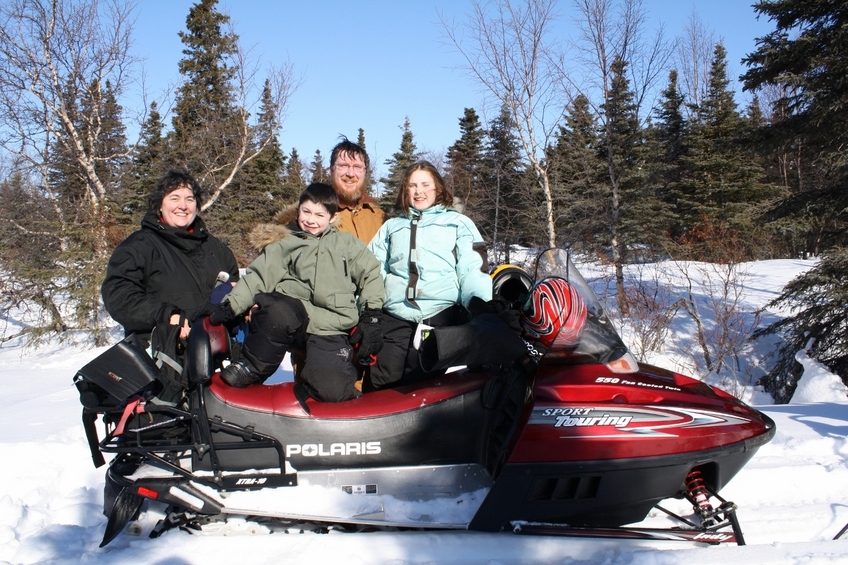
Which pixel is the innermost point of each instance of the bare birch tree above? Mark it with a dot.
(223, 86)
(249, 141)
(611, 29)
(50, 51)
(507, 51)
(713, 294)
(612, 34)
(694, 57)
(62, 65)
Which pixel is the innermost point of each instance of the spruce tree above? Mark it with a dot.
(110, 138)
(256, 195)
(317, 169)
(87, 231)
(397, 163)
(503, 212)
(666, 145)
(628, 204)
(368, 187)
(97, 118)
(263, 176)
(819, 325)
(803, 60)
(205, 122)
(66, 179)
(804, 57)
(465, 161)
(30, 258)
(722, 184)
(293, 180)
(577, 177)
(148, 165)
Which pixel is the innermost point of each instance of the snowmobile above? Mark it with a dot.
(573, 438)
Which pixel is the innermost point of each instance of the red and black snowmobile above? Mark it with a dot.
(575, 438)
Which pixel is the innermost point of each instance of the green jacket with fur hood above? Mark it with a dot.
(333, 274)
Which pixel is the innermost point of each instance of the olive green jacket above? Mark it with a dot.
(334, 275)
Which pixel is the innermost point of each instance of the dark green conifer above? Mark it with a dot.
(317, 169)
(205, 121)
(577, 177)
(465, 159)
(397, 163)
(504, 216)
(722, 184)
(293, 180)
(368, 188)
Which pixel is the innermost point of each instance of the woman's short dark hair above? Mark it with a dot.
(171, 181)
(443, 193)
(322, 194)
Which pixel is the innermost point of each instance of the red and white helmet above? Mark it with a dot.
(554, 313)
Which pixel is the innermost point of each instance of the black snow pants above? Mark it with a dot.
(279, 326)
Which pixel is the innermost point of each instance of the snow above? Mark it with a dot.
(792, 496)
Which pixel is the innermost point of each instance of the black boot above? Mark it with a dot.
(238, 375)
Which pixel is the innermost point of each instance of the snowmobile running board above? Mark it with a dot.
(709, 531)
(195, 524)
(664, 534)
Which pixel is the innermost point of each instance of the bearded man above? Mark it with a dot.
(359, 213)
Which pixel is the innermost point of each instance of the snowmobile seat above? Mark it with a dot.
(280, 398)
(206, 344)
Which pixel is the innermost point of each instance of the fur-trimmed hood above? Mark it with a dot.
(285, 224)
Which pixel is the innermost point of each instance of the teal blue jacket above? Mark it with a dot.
(448, 257)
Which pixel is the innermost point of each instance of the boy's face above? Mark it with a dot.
(313, 217)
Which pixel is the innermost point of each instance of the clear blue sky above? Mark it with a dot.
(369, 64)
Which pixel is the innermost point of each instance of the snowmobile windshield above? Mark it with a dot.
(597, 341)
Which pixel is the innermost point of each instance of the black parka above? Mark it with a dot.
(159, 270)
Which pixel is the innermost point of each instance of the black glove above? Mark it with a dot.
(220, 313)
(369, 335)
(478, 306)
(498, 307)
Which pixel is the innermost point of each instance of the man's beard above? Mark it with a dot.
(349, 198)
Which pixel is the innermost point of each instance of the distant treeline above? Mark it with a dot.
(606, 169)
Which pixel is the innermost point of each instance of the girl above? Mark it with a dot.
(432, 261)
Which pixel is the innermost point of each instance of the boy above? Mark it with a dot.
(308, 287)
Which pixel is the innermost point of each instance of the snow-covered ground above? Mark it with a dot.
(792, 496)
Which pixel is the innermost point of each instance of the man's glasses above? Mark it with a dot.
(356, 168)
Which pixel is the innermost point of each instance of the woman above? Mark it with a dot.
(431, 258)
(166, 271)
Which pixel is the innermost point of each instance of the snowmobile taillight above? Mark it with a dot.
(147, 493)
